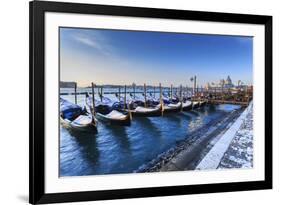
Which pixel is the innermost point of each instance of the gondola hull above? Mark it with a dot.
(111, 121)
(202, 103)
(109, 115)
(187, 107)
(89, 127)
(174, 108)
(73, 117)
(149, 113)
(195, 105)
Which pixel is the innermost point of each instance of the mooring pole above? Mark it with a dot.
(75, 93)
(101, 95)
(134, 87)
(154, 91)
(99, 91)
(181, 93)
(171, 94)
(93, 99)
(144, 95)
(222, 92)
(160, 94)
(181, 97)
(128, 106)
(125, 100)
(215, 92)
(161, 99)
(119, 92)
(194, 88)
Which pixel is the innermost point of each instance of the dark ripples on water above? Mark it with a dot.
(124, 149)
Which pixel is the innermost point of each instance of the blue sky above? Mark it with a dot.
(124, 57)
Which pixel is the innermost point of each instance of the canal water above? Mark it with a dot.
(115, 149)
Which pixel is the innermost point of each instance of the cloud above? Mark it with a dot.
(88, 42)
(94, 41)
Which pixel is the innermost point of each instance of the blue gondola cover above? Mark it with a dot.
(69, 110)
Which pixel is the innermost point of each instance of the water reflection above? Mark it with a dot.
(185, 115)
(88, 144)
(212, 107)
(119, 133)
(148, 125)
(84, 156)
(176, 117)
(117, 149)
(193, 112)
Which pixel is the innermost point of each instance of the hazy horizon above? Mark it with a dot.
(120, 57)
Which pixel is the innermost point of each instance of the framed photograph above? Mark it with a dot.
(140, 102)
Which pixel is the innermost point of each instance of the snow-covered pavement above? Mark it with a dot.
(235, 148)
(240, 151)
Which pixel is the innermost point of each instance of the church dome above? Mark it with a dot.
(228, 80)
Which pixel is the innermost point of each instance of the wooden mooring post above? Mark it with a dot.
(161, 99)
(93, 99)
(171, 92)
(75, 93)
(125, 97)
(160, 93)
(144, 87)
(101, 93)
(194, 85)
(119, 93)
(181, 93)
(134, 89)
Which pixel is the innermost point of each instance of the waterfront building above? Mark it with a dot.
(228, 83)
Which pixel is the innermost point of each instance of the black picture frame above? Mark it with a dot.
(37, 11)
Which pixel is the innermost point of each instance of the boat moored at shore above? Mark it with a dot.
(148, 111)
(195, 104)
(74, 117)
(202, 103)
(108, 111)
(172, 107)
(187, 105)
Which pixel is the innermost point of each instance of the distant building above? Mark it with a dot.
(222, 83)
(228, 83)
(67, 84)
(207, 86)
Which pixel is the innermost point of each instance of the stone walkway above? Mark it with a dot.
(240, 151)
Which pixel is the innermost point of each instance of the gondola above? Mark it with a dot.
(74, 117)
(150, 108)
(137, 106)
(195, 104)
(115, 117)
(134, 101)
(171, 105)
(108, 111)
(186, 105)
(202, 103)
(140, 111)
(152, 101)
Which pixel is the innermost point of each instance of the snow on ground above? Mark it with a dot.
(240, 151)
(235, 148)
